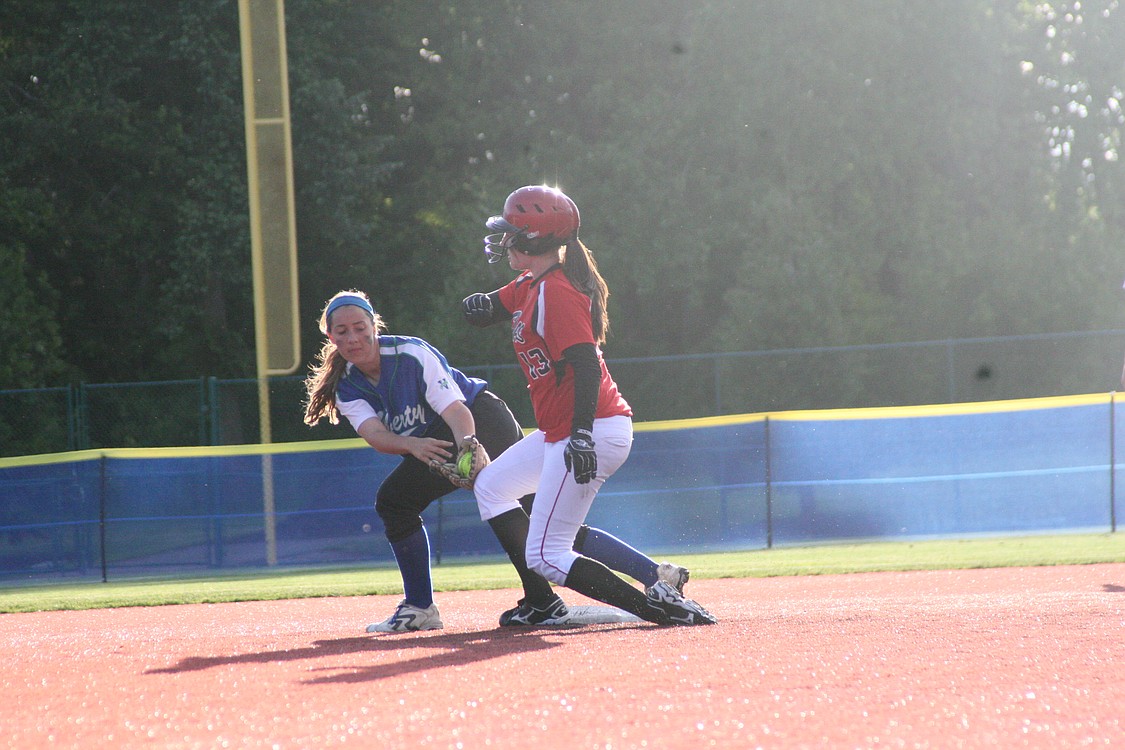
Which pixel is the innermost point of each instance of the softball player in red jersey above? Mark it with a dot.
(557, 310)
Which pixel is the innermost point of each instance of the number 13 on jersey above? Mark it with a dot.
(536, 362)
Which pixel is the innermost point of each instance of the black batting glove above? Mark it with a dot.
(580, 456)
(477, 309)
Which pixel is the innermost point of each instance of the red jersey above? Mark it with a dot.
(548, 316)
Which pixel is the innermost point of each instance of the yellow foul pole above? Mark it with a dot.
(273, 235)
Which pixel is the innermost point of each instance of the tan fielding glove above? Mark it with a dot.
(471, 458)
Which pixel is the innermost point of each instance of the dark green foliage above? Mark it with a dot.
(751, 176)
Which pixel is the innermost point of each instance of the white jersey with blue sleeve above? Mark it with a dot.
(416, 384)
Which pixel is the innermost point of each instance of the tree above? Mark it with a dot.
(751, 176)
(1076, 79)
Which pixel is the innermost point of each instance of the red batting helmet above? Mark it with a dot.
(536, 219)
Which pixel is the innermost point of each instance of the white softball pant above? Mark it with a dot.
(561, 504)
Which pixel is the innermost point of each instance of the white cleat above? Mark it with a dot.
(407, 618)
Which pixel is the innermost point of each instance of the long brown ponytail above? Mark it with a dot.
(320, 385)
(582, 270)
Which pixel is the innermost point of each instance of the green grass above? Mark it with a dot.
(1075, 549)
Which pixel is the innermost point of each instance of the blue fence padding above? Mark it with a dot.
(49, 517)
(943, 475)
(727, 483)
(689, 487)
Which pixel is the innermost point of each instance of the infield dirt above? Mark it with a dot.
(1017, 657)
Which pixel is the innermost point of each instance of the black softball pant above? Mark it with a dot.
(411, 487)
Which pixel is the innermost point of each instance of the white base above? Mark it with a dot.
(597, 615)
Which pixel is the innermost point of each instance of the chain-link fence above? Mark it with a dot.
(37, 420)
(213, 411)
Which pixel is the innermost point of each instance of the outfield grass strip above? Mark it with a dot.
(258, 585)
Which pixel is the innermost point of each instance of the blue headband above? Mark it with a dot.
(347, 299)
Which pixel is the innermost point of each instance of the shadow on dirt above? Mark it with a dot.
(445, 650)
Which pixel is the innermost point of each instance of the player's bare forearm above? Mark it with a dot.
(459, 419)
